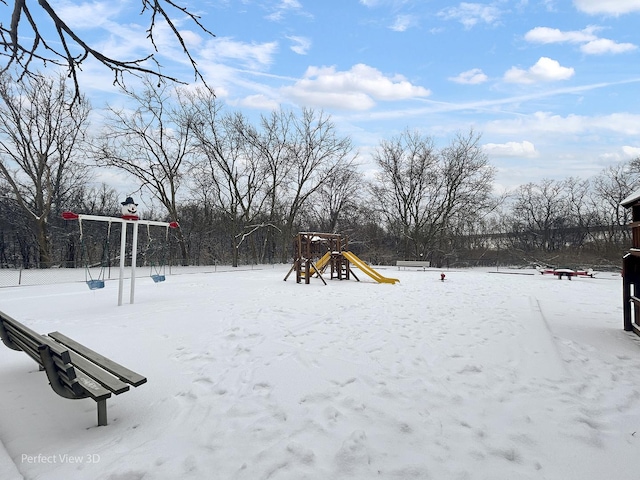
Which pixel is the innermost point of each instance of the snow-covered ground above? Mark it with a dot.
(487, 375)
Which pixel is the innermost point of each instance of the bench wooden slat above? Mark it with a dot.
(26, 348)
(59, 381)
(7, 320)
(65, 369)
(16, 335)
(109, 365)
(71, 385)
(25, 334)
(103, 377)
(93, 388)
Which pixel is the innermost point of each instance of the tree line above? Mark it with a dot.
(240, 189)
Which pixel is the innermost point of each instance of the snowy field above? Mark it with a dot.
(487, 375)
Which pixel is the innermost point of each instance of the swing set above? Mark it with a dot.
(94, 282)
(97, 281)
(157, 261)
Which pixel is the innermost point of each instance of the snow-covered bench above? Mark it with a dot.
(412, 263)
(74, 371)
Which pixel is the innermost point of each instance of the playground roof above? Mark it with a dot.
(631, 199)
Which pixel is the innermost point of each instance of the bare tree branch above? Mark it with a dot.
(22, 49)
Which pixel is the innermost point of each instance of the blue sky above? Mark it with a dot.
(552, 86)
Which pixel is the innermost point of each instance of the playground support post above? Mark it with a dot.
(134, 249)
(134, 257)
(123, 251)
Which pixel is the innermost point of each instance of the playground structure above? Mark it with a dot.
(315, 252)
(631, 269)
(128, 218)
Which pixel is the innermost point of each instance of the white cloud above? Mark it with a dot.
(260, 102)
(511, 149)
(252, 55)
(631, 152)
(301, 45)
(546, 124)
(553, 35)
(282, 8)
(609, 7)
(403, 23)
(101, 13)
(591, 44)
(470, 14)
(355, 89)
(474, 76)
(604, 45)
(545, 70)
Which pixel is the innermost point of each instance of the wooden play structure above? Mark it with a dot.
(314, 253)
(631, 268)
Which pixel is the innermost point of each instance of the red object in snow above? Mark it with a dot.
(70, 216)
(174, 225)
(442, 277)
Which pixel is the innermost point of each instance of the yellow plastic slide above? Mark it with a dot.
(367, 269)
(319, 265)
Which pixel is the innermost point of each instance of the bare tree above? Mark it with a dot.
(228, 173)
(23, 43)
(336, 199)
(610, 188)
(41, 130)
(540, 209)
(467, 182)
(428, 195)
(296, 155)
(152, 144)
(407, 187)
(271, 141)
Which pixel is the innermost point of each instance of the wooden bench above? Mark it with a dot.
(413, 263)
(74, 371)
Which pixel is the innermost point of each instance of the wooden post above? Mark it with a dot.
(626, 292)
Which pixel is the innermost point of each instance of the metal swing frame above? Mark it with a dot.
(159, 275)
(124, 221)
(98, 282)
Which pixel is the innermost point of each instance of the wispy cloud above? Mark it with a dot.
(284, 7)
(474, 76)
(524, 149)
(545, 70)
(403, 23)
(433, 106)
(608, 7)
(301, 45)
(470, 14)
(548, 123)
(251, 55)
(76, 15)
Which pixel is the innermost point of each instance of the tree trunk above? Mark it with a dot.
(44, 248)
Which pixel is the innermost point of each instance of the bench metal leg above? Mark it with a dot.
(102, 412)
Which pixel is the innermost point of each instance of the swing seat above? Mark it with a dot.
(158, 278)
(95, 284)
